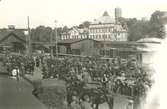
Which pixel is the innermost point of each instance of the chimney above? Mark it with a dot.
(11, 27)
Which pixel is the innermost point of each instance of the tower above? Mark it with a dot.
(118, 14)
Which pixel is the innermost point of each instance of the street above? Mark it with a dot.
(17, 95)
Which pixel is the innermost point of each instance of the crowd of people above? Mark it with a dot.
(122, 76)
(23, 64)
(117, 75)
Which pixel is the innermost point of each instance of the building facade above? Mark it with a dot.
(13, 40)
(106, 29)
(75, 33)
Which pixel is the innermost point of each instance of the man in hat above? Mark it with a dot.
(75, 103)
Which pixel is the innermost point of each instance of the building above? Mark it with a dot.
(149, 50)
(106, 29)
(13, 40)
(86, 47)
(75, 33)
(106, 49)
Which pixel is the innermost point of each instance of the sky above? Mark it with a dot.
(71, 12)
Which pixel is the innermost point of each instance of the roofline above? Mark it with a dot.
(78, 41)
(14, 35)
(102, 23)
(152, 42)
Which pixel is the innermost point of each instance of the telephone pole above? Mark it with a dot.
(56, 39)
(28, 38)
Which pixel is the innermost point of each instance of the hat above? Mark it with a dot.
(86, 97)
(74, 98)
(84, 68)
(130, 101)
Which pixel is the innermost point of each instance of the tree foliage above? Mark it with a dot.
(47, 34)
(85, 24)
(41, 34)
(138, 29)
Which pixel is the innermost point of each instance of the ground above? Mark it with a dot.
(16, 94)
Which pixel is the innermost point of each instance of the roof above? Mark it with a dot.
(115, 44)
(17, 33)
(70, 41)
(79, 30)
(150, 40)
(104, 19)
(121, 42)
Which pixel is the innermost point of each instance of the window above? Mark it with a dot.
(96, 36)
(105, 36)
(93, 30)
(111, 29)
(108, 36)
(107, 30)
(97, 30)
(100, 37)
(90, 30)
(107, 52)
(102, 52)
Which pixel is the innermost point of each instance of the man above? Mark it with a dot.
(86, 76)
(17, 73)
(75, 103)
(85, 103)
(14, 74)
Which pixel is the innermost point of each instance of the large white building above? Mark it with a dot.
(105, 28)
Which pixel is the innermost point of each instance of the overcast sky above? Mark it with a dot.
(71, 12)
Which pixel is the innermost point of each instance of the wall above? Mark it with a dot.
(86, 47)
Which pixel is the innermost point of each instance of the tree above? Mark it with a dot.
(59, 31)
(137, 29)
(156, 23)
(65, 29)
(85, 24)
(41, 34)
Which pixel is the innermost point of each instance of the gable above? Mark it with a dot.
(73, 32)
(11, 37)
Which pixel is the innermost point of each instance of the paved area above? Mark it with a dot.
(17, 95)
(37, 75)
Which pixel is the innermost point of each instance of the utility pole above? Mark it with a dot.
(28, 38)
(51, 45)
(56, 42)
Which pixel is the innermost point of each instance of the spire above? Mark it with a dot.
(105, 13)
